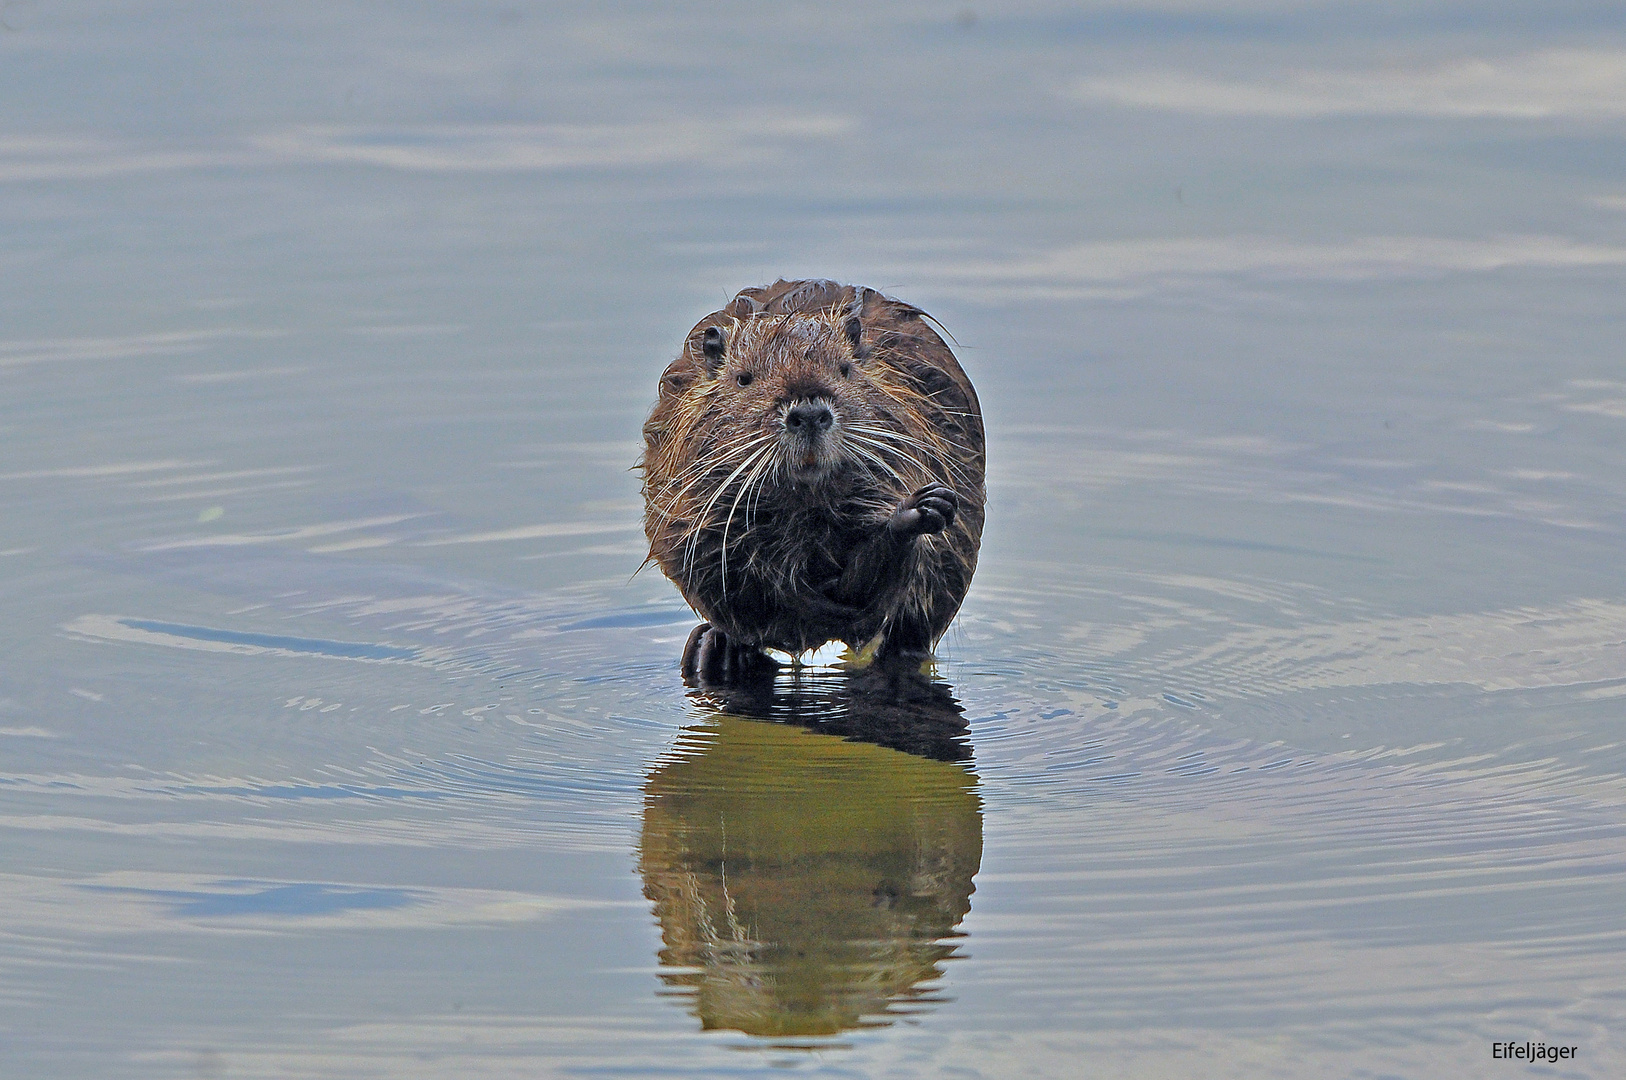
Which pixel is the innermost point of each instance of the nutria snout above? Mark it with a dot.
(813, 471)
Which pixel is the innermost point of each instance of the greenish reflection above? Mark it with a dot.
(808, 884)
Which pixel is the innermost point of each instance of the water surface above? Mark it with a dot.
(1281, 733)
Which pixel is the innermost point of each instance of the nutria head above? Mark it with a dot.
(795, 389)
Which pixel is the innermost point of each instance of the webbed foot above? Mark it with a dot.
(711, 656)
(908, 653)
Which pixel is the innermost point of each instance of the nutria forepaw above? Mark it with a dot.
(929, 510)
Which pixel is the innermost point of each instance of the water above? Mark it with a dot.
(1281, 732)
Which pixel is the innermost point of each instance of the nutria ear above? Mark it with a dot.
(745, 305)
(852, 323)
(674, 382)
(854, 329)
(712, 346)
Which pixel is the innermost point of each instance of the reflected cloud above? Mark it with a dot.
(306, 532)
(113, 628)
(1575, 644)
(290, 899)
(536, 532)
(211, 477)
(123, 468)
(51, 350)
(1127, 268)
(78, 158)
(544, 147)
(808, 885)
(131, 901)
(440, 148)
(1612, 407)
(244, 375)
(1110, 459)
(1572, 83)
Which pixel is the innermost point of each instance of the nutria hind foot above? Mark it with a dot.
(711, 656)
(906, 647)
(901, 657)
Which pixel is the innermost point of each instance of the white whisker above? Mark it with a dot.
(722, 553)
(698, 525)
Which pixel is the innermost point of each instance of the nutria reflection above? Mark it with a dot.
(807, 884)
(890, 704)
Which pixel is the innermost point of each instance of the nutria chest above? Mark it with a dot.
(813, 471)
(773, 575)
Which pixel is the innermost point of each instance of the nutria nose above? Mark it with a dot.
(809, 418)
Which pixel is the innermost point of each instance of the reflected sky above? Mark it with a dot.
(264, 898)
(1292, 673)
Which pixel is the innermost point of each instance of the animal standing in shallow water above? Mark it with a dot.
(813, 472)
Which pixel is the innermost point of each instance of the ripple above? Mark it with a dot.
(178, 635)
(1146, 865)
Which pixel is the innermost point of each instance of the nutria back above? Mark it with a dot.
(813, 471)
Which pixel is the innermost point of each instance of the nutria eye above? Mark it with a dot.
(846, 370)
(743, 378)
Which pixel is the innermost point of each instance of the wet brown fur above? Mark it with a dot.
(786, 544)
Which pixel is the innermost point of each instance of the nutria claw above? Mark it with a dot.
(929, 510)
(710, 656)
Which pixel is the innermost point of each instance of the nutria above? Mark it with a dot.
(813, 472)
